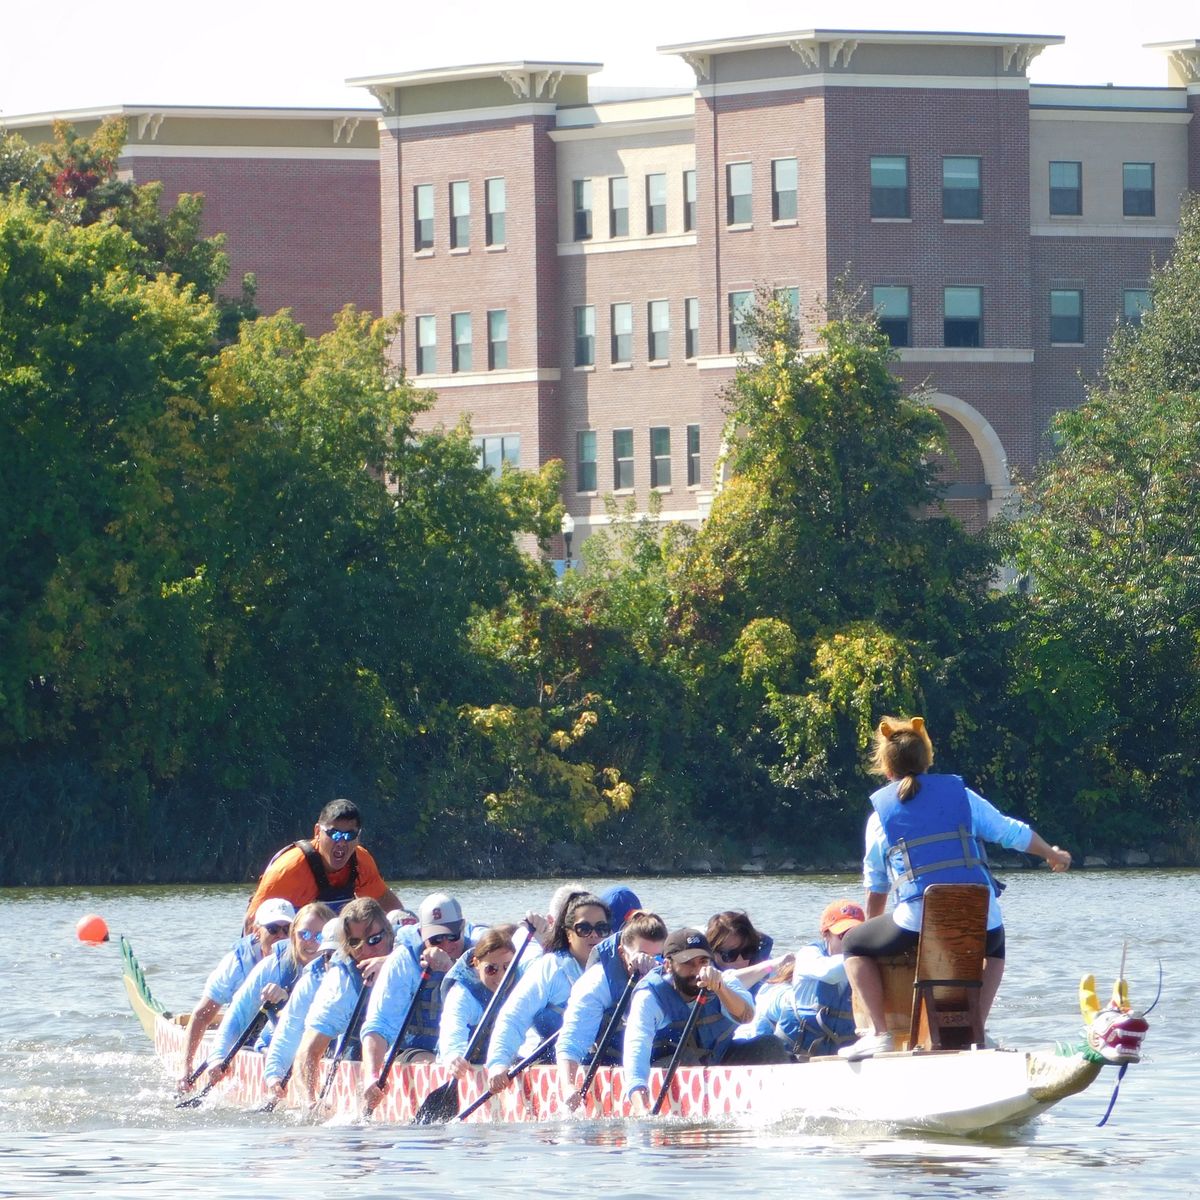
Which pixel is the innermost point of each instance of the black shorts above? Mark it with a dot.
(881, 937)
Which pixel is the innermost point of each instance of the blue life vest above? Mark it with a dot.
(712, 1032)
(816, 1017)
(930, 838)
(423, 1028)
(608, 956)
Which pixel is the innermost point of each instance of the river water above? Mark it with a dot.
(85, 1108)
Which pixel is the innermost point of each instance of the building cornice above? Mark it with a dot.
(333, 153)
(468, 116)
(526, 77)
(659, 241)
(486, 378)
(199, 112)
(624, 129)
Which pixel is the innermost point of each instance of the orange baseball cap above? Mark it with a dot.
(841, 915)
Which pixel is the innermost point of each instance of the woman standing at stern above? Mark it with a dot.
(925, 829)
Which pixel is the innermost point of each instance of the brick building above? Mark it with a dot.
(572, 267)
(296, 191)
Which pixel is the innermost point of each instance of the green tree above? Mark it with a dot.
(827, 585)
(1108, 666)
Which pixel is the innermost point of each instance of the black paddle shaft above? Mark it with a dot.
(441, 1105)
(513, 1072)
(614, 1023)
(252, 1030)
(351, 1029)
(673, 1066)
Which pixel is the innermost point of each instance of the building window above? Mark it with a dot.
(962, 316)
(693, 455)
(622, 459)
(1137, 302)
(618, 206)
(622, 333)
(426, 345)
(689, 200)
(660, 456)
(656, 203)
(581, 204)
(1137, 182)
(962, 198)
(658, 326)
(585, 460)
(889, 186)
(740, 306)
(1066, 189)
(495, 452)
(893, 308)
(460, 341)
(1066, 317)
(460, 214)
(691, 327)
(495, 201)
(585, 335)
(423, 216)
(783, 189)
(739, 182)
(497, 339)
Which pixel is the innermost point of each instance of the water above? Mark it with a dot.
(85, 1109)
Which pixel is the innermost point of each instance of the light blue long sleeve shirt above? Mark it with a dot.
(547, 981)
(987, 822)
(276, 967)
(590, 998)
(645, 1019)
(290, 1028)
(333, 1005)
(812, 967)
(230, 973)
(394, 989)
(461, 1014)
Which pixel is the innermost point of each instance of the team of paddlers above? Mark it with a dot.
(330, 961)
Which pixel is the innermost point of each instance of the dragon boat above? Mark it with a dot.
(931, 1088)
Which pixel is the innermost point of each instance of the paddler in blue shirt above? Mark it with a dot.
(470, 985)
(290, 1028)
(269, 983)
(594, 998)
(434, 944)
(272, 923)
(366, 936)
(662, 1003)
(809, 1008)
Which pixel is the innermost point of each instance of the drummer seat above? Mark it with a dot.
(948, 980)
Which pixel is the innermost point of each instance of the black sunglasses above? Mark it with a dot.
(279, 929)
(440, 939)
(586, 928)
(728, 956)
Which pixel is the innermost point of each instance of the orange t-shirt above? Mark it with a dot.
(290, 878)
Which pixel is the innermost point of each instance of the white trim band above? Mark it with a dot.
(825, 79)
(1077, 230)
(345, 153)
(485, 378)
(964, 354)
(469, 116)
(659, 241)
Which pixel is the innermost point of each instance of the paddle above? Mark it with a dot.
(188, 1080)
(441, 1104)
(513, 1072)
(381, 1078)
(613, 1022)
(351, 1029)
(673, 1066)
(251, 1031)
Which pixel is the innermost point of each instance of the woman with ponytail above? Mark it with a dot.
(924, 829)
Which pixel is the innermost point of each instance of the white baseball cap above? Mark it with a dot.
(331, 934)
(440, 913)
(273, 910)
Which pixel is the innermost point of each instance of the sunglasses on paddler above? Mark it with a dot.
(373, 940)
(278, 928)
(728, 956)
(586, 928)
(307, 935)
(341, 835)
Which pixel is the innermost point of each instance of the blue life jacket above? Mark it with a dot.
(607, 955)
(816, 1017)
(423, 1028)
(765, 946)
(349, 1036)
(930, 838)
(712, 1032)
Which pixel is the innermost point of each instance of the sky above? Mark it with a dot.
(74, 54)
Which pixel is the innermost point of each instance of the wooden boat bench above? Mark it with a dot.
(932, 993)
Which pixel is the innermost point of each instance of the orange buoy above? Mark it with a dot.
(92, 929)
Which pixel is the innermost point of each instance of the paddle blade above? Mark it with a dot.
(440, 1106)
